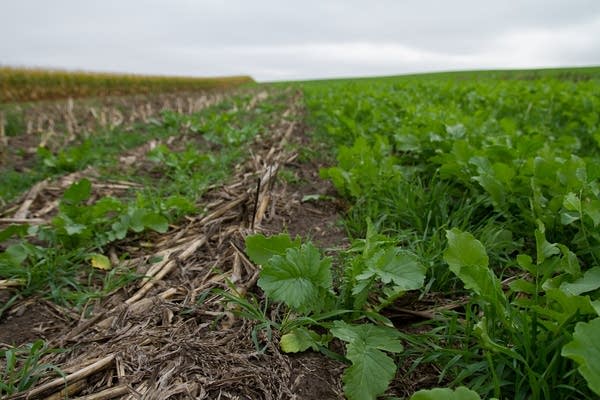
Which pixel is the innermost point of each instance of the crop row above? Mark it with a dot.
(494, 186)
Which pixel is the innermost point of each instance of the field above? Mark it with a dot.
(22, 84)
(421, 237)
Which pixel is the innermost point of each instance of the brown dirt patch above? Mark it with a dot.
(31, 320)
(317, 219)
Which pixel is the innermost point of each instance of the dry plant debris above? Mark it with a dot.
(170, 336)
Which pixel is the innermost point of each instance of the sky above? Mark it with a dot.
(284, 40)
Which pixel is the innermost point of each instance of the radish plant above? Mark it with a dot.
(322, 308)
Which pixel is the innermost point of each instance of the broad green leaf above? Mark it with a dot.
(544, 249)
(73, 228)
(464, 250)
(136, 219)
(568, 262)
(260, 248)
(468, 260)
(299, 339)
(407, 142)
(371, 370)
(568, 217)
(584, 349)
(301, 279)
(121, 227)
(504, 173)
(370, 373)
(488, 180)
(16, 253)
(596, 306)
(592, 210)
(105, 205)
(523, 286)
(526, 263)
(398, 266)
(78, 192)
(13, 230)
(508, 125)
(588, 282)
(572, 202)
(380, 337)
(461, 393)
(560, 307)
(456, 131)
(156, 222)
(493, 187)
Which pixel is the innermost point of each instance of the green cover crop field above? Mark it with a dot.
(415, 237)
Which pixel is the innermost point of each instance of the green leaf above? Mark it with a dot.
(398, 266)
(17, 253)
(588, 282)
(73, 228)
(260, 248)
(461, 393)
(523, 286)
(488, 180)
(380, 337)
(456, 131)
(468, 260)
(592, 210)
(568, 262)
(561, 307)
(464, 251)
(121, 227)
(571, 202)
(372, 370)
(301, 279)
(136, 222)
(526, 262)
(544, 249)
(78, 192)
(299, 339)
(568, 217)
(156, 222)
(585, 351)
(13, 230)
(106, 205)
(369, 375)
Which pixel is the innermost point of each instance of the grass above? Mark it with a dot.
(566, 73)
(23, 367)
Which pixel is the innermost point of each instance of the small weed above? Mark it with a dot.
(288, 176)
(13, 123)
(23, 367)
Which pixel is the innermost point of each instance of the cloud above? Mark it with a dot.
(283, 40)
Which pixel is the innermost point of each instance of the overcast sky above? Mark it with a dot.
(280, 40)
